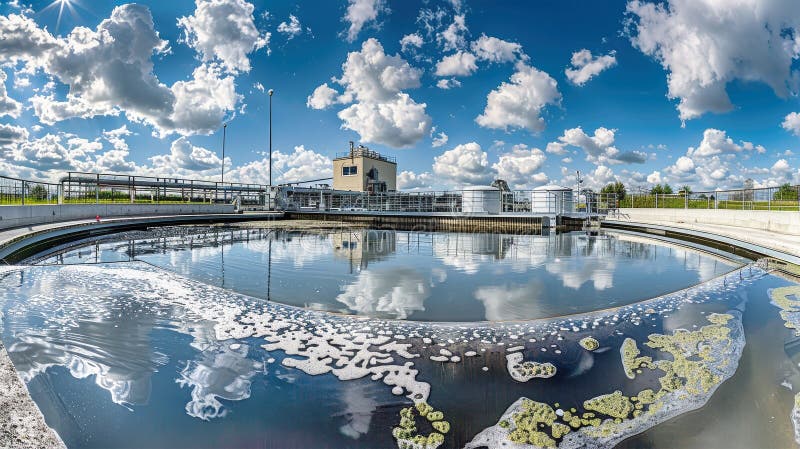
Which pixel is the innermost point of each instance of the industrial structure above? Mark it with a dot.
(364, 170)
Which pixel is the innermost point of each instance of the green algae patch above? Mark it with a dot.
(692, 355)
(692, 365)
(523, 371)
(406, 433)
(631, 360)
(615, 405)
(788, 300)
(589, 343)
(559, 430)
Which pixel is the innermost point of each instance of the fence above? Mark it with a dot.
(108, 188)
(768, 198)
(537, 202)
(14, 191)
(94, 188)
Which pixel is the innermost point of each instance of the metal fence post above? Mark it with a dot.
(24, 186)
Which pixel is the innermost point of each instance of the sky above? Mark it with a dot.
(688, 92)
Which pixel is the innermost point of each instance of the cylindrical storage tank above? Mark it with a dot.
(551, 200)
(480, 200)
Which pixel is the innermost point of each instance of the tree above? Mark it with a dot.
(785, 193)
(685, 190)
(37, 191)
(661, 189)
(747, 195)
(615, 187)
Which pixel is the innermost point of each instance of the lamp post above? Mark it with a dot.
(224, 134)
(270, 136)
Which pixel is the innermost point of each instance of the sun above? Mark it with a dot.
(61, 5)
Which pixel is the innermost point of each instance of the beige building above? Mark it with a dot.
(364, 170)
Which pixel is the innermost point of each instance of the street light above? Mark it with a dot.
(224, 134)
(270, 136)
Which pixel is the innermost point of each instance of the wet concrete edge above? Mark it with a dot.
(22, 425)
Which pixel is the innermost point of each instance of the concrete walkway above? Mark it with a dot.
(788, 244)
(15, 239)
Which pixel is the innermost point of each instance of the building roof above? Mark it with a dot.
(365, 152)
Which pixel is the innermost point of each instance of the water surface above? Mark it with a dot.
(418, 275)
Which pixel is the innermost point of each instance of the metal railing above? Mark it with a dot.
(365, 152)
(765, 199)
(111, 188)
(467, 201)
(22, 192)
(98, 188)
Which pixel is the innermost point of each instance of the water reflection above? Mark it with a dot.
(359, 405)
(395, 292)
(221, 372)
(419, 275)
(111, 342)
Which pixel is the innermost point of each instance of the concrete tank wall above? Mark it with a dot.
(774, 221)
(14, 216)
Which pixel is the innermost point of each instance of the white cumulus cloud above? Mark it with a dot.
(8, 105)
(323, 97)
(409, 180)
(448, 83)
(109, 71)
(461, 63)
(465, 164)
(299, 165)
(521, 167)
(224, 30)
(492, 49)
(184, 156)
(519, 102)
(792, 123)
(599, 148)
(585, 66)
(706, 44)
(440, 140)
(362, 12)
(411, 41)
(381, 112)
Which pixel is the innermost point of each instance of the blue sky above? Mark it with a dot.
(686, 92)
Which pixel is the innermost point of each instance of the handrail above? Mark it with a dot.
(11, 178)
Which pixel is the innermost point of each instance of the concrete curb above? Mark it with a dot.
(22, 425)
(734, 246)
(16, 244)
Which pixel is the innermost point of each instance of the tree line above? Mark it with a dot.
(785, 192)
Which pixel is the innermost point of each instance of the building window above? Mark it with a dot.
(349, 170)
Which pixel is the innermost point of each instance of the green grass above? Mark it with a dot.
(699, 203)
